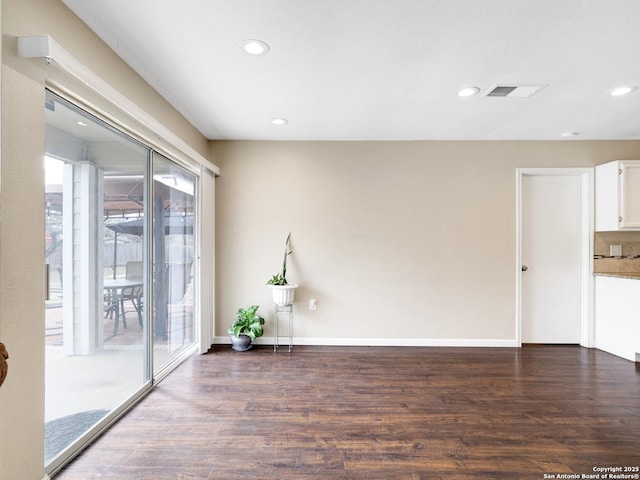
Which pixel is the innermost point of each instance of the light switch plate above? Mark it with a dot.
(615, 250)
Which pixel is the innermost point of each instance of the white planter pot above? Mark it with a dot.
(283, 294)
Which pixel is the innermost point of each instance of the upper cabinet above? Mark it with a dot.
(618, 196)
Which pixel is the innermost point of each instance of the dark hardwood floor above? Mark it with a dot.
(378, 413)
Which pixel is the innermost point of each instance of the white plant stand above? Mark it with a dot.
(287, 312)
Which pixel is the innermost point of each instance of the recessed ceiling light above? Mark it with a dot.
(82, 124)
(468, 91)
(569, 134)
(618, 92)
(255, 47)
(279, 121)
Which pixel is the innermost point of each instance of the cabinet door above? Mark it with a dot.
(630, 195)
(607, 197)
(617, 316)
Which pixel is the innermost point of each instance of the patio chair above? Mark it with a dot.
(177, 278)
(133, 271)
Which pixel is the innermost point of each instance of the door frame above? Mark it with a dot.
(587, 329)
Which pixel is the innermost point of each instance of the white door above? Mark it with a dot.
(552, 258)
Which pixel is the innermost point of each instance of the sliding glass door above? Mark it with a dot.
(119, 241)
(174, 190)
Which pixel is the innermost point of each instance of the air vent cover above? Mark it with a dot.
(519, 91)
(500, 91)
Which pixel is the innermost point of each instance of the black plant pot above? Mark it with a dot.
(240, 343)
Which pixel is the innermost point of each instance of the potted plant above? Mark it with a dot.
(245, 328)
(283, 292)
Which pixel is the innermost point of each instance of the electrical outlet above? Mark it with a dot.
(313, 304)
(615, 250)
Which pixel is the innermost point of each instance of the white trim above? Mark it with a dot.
(386, 342)
(587, 330)
(588, 333)
(43, 46)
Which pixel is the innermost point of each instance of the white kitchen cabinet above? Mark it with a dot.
(617, 316)
(618, 196)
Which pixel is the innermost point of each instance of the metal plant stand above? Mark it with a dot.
(282, 311)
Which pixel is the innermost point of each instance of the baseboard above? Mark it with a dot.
(385, 342)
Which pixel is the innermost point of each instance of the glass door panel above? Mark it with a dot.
(96, 336)
(174, 190)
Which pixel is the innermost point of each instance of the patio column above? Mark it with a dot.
(83, 231)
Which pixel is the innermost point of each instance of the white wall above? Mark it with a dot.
(400, 243)
(22, 235)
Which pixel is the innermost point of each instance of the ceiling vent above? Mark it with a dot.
(518, 91)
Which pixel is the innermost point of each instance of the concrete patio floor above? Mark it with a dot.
(104, 379)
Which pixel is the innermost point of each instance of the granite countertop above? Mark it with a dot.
(632, 275)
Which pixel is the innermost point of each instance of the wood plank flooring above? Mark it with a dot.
(378, 413)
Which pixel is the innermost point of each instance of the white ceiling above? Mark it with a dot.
(383, 69)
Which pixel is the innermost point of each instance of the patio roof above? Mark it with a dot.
(124, 198)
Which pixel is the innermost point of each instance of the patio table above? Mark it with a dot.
(115, 290)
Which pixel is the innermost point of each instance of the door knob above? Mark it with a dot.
(524, 268)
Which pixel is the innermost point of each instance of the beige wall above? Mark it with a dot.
(398, 242)
(22, 232)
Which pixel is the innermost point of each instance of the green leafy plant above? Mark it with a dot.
(247, 322)
(280, 278)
